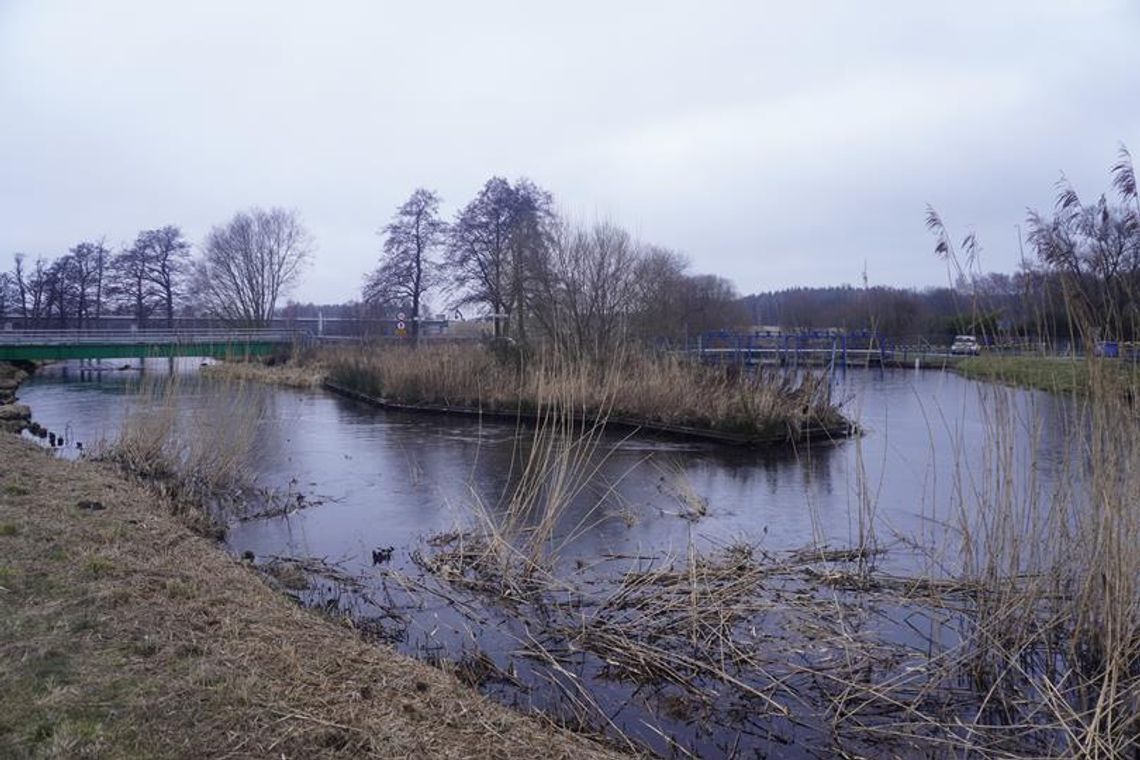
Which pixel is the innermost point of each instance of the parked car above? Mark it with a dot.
(965, 345)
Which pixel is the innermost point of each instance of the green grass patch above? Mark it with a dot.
(9, 529)
(1053, 374)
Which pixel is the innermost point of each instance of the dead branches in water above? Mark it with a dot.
(808, 646)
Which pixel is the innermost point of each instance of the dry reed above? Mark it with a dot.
(643, 387)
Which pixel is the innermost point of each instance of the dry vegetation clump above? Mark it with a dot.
(641, 388)
(197, 461)
(304, 370)
(787, 646)
(124, 635)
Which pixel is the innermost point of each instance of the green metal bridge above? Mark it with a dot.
(55, 345)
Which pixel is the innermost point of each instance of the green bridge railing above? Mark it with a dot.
(48, 345)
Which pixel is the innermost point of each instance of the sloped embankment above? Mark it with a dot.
(122, 633)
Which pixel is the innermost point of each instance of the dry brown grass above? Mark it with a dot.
(296, 373)
(197, 461)
(642, 387)
(122, 634)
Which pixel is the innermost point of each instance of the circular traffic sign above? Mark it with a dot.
(400, 316)
(400, 325)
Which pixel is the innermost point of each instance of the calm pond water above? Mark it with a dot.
(377, 479)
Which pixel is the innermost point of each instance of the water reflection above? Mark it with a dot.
(392, 478)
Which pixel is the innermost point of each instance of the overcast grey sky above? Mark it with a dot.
(776, 144)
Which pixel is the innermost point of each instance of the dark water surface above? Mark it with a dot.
(377, 479)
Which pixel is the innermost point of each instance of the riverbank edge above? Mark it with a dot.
(124, 634)
(14, 416)
(1061, 375)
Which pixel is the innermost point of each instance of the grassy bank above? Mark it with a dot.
(123, 634)
(1047, 373)
(650, 389)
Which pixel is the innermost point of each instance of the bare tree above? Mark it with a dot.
(478, 253)
(656, 292)
(36, 286)
(59, 296)
(407, 269)
(495, 245)
(20, 285)
(81, 279)
(6, 294)
(249, 262)
(130, 289)
(583, 291)
(532, 228)
(153, 270)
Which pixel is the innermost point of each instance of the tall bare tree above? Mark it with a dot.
(494, 244)
(249, 262)
(407, 269)
(6, 294)
(130, 290)
(20, 285)
(532, 229)
(36, 286)
(80, 276)
(583, 292)
(163, 258)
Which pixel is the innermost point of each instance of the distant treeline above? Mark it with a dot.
(1026, 304)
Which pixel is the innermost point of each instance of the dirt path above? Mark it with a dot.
(123, 634)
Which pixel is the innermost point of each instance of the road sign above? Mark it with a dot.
(400, 325)
(401, 316)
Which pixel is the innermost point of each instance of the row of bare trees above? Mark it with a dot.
(90, 280)
(246, 265)
(507, 252)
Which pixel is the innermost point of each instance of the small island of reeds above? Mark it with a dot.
(657, 392)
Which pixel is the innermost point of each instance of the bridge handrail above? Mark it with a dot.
(87, 337)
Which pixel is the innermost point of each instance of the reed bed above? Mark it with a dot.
(196, 460)
(300, 373)
(642, 387)
(1024, 642)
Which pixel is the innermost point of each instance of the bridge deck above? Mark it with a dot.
(50, 345)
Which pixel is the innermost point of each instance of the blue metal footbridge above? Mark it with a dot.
(814, 348)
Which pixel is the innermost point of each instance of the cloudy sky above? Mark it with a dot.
(777, 144)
